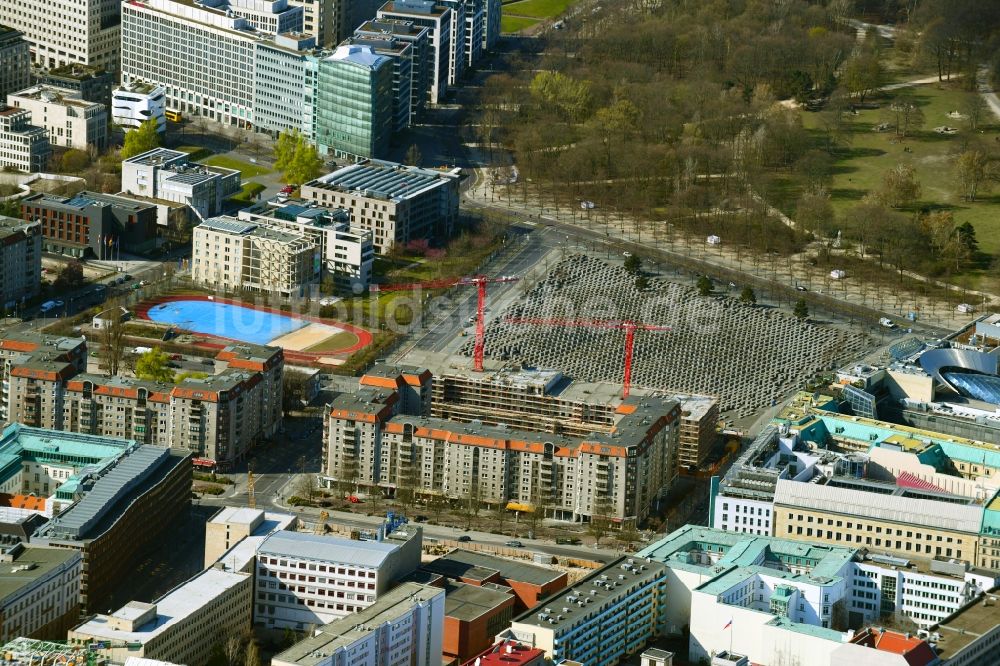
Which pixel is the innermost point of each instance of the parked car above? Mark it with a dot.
(420, 519)
(799, 287)
(287, 189)
(514, 544)
(465, 538)
(568, 541)
(176, 357)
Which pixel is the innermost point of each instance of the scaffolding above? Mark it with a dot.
(45, 653)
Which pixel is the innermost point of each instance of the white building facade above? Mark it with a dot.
(167, 174)
(23, 146)
(66, 32)
(135, 102)
(308, 579)
(71, 121)
(403, 628)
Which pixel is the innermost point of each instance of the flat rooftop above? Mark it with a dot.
(967, 625)
(383, 180)
(157, 157)
(594, 590)
(341, 633)
(326, 548)
(468, 564)
(55, 95)
(171, 608)
(467, 602)
(30, 564)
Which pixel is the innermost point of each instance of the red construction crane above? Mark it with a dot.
(627, 325)
(479, 281)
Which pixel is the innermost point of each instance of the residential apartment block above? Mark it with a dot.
(64, 32)
(184, 626)
(20, 261)
(39, 591)
(136, 102)
(87, 224)
(167, 174)
(347, 253)
(606, 616)
(354, 106)
(233, 255)
(310, 579)
(116, 505)
(403, 628)
(396, 203)
(70, 120)
(15, 61)
(217, 417)
(23, 146)
(548, 400)
(616, 474)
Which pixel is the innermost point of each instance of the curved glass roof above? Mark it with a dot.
(975, 386)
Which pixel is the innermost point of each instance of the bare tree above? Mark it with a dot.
(233, 648)
(113, 341)
(252, 655)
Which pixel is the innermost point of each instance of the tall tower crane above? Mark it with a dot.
(479, 282)
(627, 325)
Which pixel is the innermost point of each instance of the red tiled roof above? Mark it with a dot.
(916, 651)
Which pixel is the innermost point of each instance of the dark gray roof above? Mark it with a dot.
(465, 563)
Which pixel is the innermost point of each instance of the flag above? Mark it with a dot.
(728, 624)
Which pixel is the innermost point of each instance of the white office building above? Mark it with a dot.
(203, 55)
(23, 146)
(405, 627)
(267, 16)
(445, 47)
(346, 253)
(70, 120)
(135, 102)
(310, 579)
(67, 32)
(167, 174)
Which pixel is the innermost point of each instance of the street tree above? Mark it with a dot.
(747, 296)
(296, 158)
(801, 310)
(294, 386)
(70, 277)
(633, 264)
(154, 366)
(113, 343)
(601, 522)
(814, 213)
(141, 139)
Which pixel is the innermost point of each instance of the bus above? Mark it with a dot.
(173, 116)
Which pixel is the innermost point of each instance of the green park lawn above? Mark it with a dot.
(540, 9)
(511, 24)
(245, 168)
(931, 155)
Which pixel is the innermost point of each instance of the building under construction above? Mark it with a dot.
(573, 453)
(549, 401)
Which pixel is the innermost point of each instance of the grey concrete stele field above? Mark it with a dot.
(746, 355)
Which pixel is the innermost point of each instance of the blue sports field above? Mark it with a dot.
(225, 320)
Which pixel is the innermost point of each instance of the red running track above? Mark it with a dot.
(364, 337)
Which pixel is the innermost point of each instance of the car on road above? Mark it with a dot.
(287, 189)
(465, 538)
(799, 287)
(208, 361)
(59, 303)
(420, 519)
(588, 205)
(568, 541)
(514, 544)
(176, 357)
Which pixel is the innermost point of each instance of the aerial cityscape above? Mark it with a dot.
(500, 333)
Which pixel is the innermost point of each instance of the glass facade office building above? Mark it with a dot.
(354, 103)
